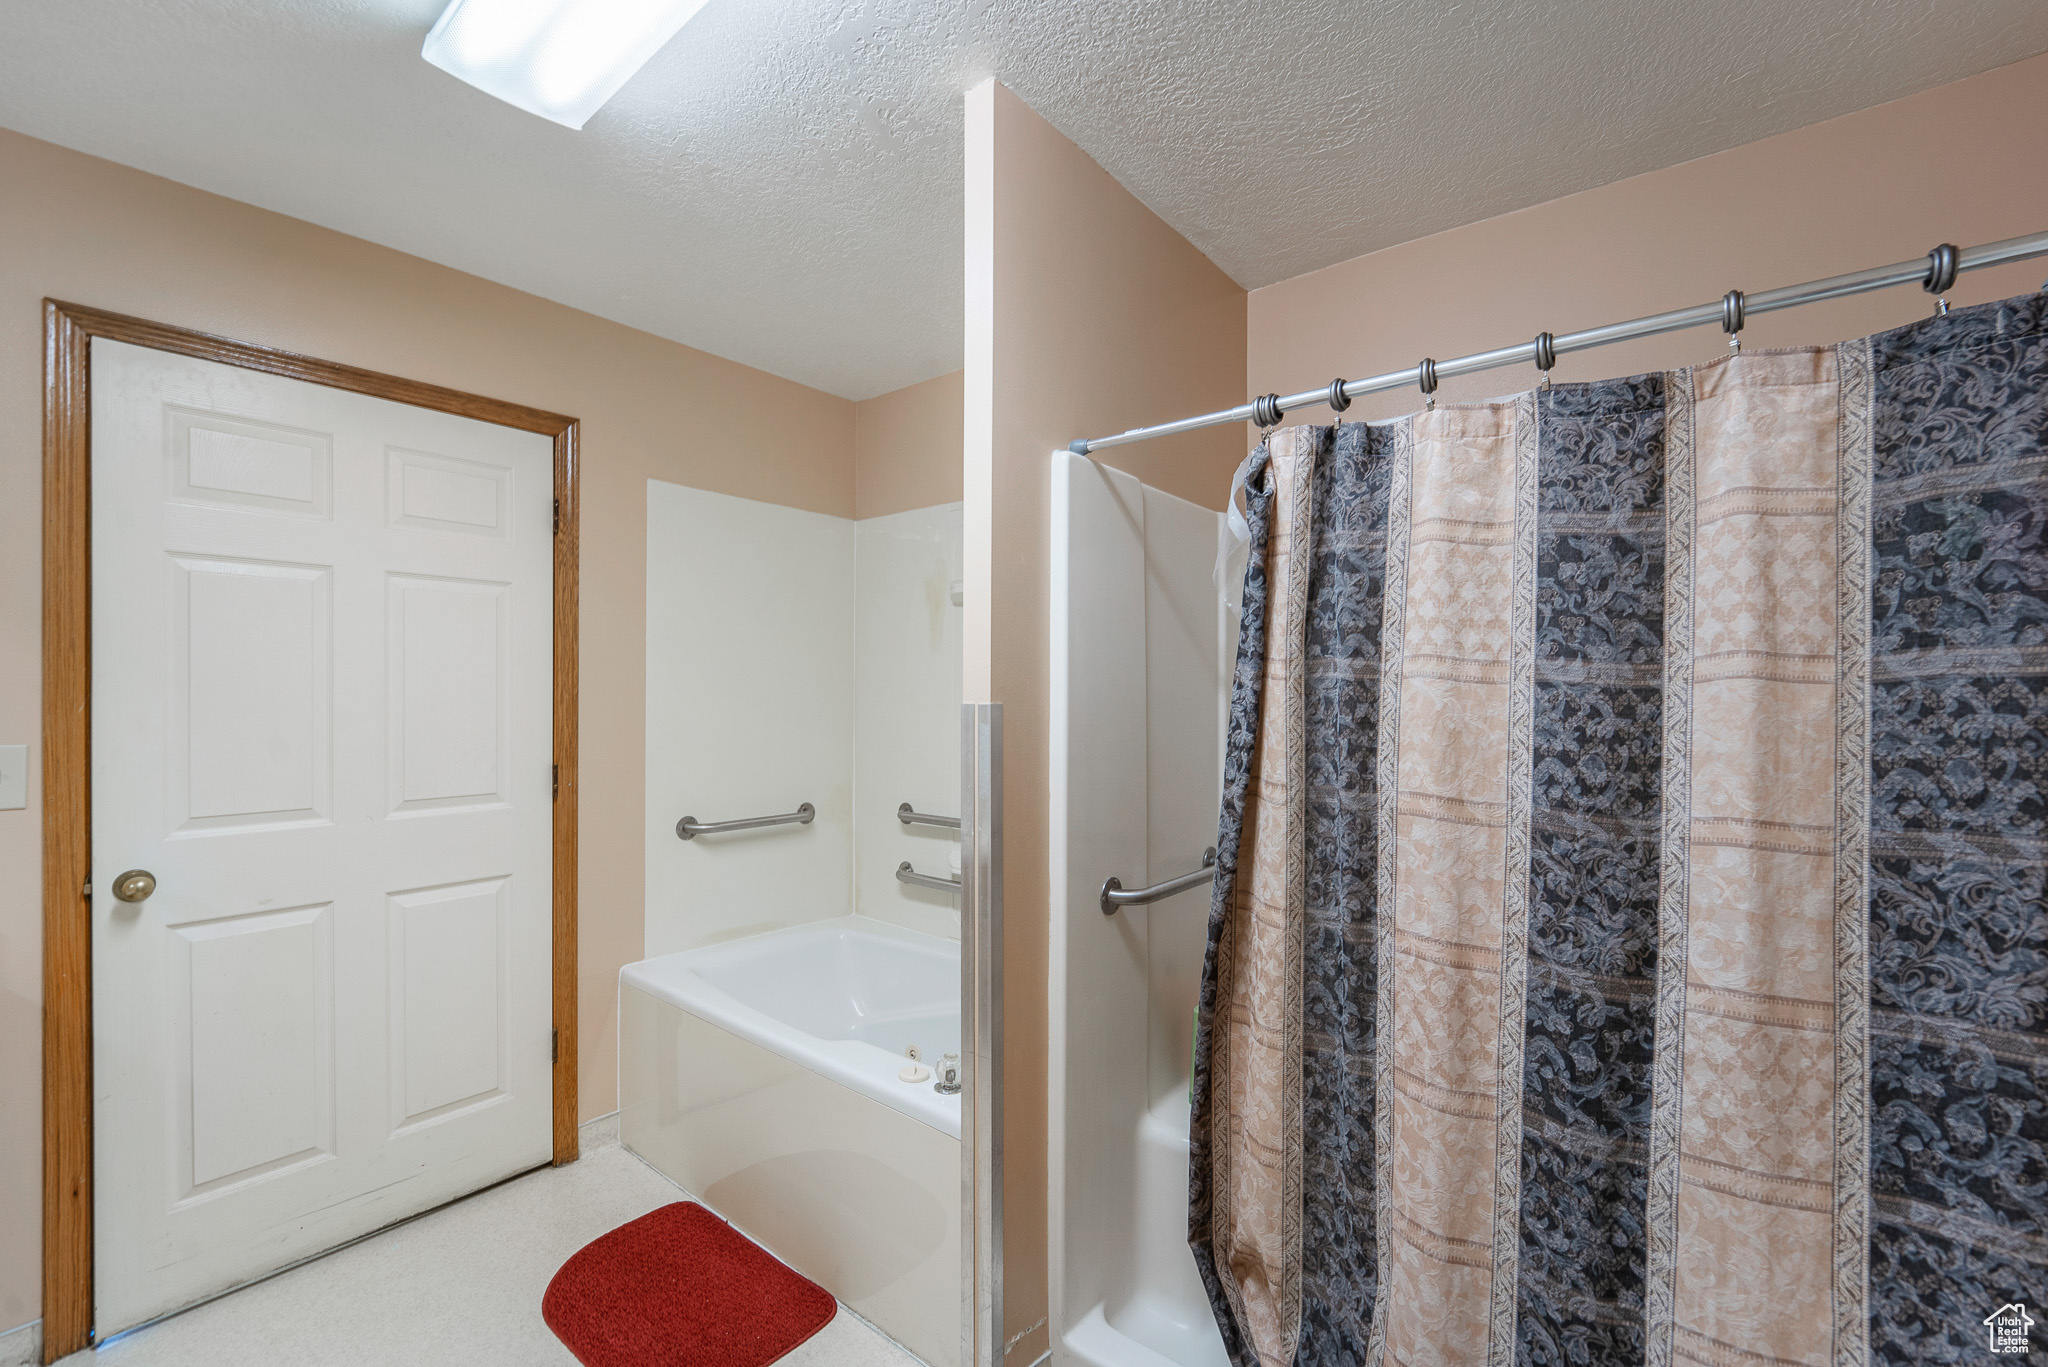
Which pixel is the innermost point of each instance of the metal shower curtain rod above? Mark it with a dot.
(1934, 272)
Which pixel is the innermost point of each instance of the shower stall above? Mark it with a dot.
(1142, 644)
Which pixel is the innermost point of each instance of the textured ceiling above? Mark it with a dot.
(782, 183)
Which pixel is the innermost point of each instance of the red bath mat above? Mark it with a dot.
(680, 1287)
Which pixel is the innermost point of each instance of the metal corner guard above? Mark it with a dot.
(981, 1034)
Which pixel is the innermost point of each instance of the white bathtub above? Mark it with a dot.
(761, 1075)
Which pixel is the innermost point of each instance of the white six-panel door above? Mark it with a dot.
(321, 648)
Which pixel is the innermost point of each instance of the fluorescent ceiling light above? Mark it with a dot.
(560, 59)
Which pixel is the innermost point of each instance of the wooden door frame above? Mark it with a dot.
(68, 330)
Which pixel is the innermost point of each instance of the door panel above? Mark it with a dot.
(439, 493)
(253, 1100)
(448, 961)
(322, 674)
(447, 662)
(224, 462)
(251, 684)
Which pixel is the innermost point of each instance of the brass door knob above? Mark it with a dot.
(134, 886)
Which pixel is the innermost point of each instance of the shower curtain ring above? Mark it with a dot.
(1942, 264)
(1266, 411)
(1731, 319)
(1425, 380)
(1546, 355)
(1338, 400)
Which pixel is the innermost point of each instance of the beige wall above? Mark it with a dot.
(1085, 314)
(84, 230)
(1961, 163)
(906, 447)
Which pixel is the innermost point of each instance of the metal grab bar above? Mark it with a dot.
(910, 818)
(1114, 895)
(689, 828)
(906, 874)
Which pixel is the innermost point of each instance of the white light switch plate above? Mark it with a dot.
(13, 776)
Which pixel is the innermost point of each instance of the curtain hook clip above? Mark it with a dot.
(1425, 380)
(1338, 401)
(1731, 320)
(1942, 265)
(1546, 357)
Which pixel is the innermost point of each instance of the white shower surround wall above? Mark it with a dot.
(1141, 650)
(797, 657)
(749, 647)
(906, 729)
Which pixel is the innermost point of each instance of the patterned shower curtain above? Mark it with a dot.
(1628, 944)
